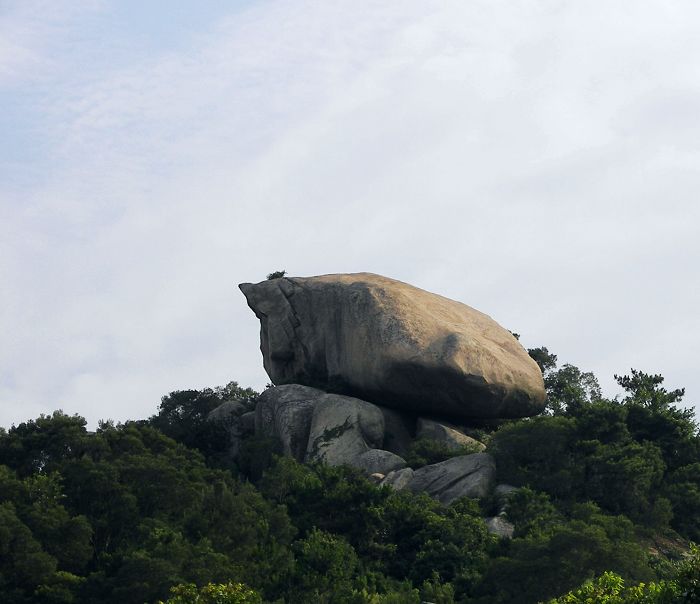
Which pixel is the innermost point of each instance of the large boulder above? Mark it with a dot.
(231, 415)
(398, 479)
(247, 422)
(227, 412)
(463, 476)
(342, 428)
(391, 343)
(500, 526)
(446, 435)
(285, 413)
(378, 461)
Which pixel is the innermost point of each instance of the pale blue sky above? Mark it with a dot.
(62, 45)
(536, 160)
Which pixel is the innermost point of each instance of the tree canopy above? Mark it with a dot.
(154, 510)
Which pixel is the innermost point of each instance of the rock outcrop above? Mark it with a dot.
(226, 412)
(463, 476)
(366, 365)
(398, 480)
(378, 461)
(393, 344)
(247, 422)
(285, 413)
(446, 435)
(500, 526)
(342, 428)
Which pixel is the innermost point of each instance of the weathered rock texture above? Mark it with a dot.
(449, 436)
(391, 343)
(247, 422)
(463, 476)
(378, 461)
(342, 428)
(500, 526)
(398, 480)
(285, 413)
(226, 412)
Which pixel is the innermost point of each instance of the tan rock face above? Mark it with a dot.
(393, 344)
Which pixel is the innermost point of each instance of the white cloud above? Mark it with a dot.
(30, 30)
(534, 160)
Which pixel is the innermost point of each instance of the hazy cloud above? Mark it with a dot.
(537, 161)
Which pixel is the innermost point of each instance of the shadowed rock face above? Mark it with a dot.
(393, 344)
(448, 436)
(463, 476)
(285, 413)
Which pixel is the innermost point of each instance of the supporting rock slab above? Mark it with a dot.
(447, 435)
(462, 476)
(378, 461)
(342, 428)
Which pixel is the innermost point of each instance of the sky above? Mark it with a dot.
(538, 160)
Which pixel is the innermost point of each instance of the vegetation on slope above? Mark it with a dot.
(610, 500)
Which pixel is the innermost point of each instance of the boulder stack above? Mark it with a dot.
(364, 366)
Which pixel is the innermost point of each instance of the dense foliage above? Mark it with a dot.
(156, 510)
(610, 588)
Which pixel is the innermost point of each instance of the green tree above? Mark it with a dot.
(183, 416)
(683, 586)
(325, 567)
(653, 415)
(610, 588)
(24, 565)
(213, 593)
(532, 513)
(624, 479)
(543, 564)
(569, 389)
(645, 389)
(546, 360)
(133, 512)
(540, 453)
(39, 446)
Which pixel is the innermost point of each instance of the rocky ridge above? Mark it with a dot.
(365, 367)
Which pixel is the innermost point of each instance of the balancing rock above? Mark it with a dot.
(393, 344)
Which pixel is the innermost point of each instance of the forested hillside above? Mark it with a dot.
(138, 512)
